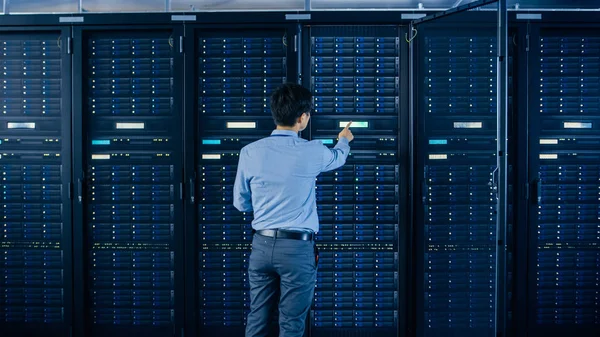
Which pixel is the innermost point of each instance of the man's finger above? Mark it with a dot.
(348, 125)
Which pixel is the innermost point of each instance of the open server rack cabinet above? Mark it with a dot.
(455, 137)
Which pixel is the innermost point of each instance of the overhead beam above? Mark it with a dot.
(451, 11)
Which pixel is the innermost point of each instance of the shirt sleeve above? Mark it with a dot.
(242, 196)
(336, 157)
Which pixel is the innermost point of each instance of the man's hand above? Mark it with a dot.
(346, 133)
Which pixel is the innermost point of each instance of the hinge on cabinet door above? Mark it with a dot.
(424, 187)
(296, 43)
(181, 45)
(527, 44)
(69, 45)
(538, 188)
(80, 190)
(193, 189)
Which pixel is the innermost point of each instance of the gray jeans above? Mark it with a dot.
(286, 267)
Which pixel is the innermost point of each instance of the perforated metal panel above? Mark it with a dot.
(35, 156)
(457, 145)
(355, 76)
(133, 174)
(237, 72)
(564, 234)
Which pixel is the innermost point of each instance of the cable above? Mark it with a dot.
(413, 36)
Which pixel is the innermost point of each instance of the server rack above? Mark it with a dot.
(236, 71)
(130, 184)
(35, 165)
(354, 75)
(564, 259)
(455, 218)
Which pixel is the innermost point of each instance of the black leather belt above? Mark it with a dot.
(284, 234)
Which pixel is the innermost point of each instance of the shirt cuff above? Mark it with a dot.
(343, 140)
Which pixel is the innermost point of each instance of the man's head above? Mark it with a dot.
(291, 105)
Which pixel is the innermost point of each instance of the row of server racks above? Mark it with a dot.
(119, 148)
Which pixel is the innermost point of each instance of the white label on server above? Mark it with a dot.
(241, 125)
(100, 156)
(468, 125)
(130, 126)
(14, 125)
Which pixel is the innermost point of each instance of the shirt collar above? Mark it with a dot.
(284, 133)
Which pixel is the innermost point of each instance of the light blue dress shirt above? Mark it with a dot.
(276, 179)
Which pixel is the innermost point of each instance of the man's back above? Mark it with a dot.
(281, 171)
(276, 179)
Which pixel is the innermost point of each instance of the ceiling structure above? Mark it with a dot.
(98, 6)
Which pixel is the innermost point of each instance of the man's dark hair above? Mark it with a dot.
(289, 102)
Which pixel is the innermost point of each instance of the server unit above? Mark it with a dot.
(354, 75)
(236, 73)
(564, 259)
(132, 187)
(35, 175)
(456, 223)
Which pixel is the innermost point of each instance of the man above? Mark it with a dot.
(276, 179)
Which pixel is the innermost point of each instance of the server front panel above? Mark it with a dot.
(236, 73)
(563, 247)
(457, 146)
(133, 168)
(35, 244)
(354, 76)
